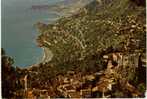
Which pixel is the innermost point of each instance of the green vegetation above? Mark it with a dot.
(98, 52)
(94, 29)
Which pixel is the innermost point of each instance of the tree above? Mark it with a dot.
(8, 76)
(73, 38)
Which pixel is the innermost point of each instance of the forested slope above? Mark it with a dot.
(100, 51)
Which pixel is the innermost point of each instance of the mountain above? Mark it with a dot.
(99, 51)
(69, 7)
(80, 41)
(93, 28)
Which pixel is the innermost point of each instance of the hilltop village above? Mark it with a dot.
(99, 52)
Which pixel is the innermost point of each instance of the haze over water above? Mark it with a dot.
(18, 31)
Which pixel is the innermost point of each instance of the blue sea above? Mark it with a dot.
(18, 31)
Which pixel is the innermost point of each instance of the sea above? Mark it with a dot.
(18, 31)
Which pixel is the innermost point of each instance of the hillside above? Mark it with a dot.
(99, 51)
(68, 7)
(80, 42)
(96, 27)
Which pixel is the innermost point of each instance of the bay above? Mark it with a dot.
(18, 31)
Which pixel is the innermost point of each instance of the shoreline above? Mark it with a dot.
(47, 55)
(45, 58)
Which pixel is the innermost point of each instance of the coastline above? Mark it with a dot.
(47, 55)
